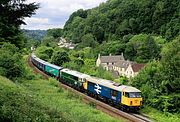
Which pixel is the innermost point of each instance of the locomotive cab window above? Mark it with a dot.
(126, 94)
(133, 94)
(114, 93)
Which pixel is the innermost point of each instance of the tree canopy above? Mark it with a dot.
(12, 15)
(123, 17)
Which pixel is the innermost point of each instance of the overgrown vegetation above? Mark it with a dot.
(160, 80)
(18, 104)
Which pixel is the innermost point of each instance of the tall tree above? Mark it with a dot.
(11, 17)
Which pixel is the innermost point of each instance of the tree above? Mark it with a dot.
(11, 17)
(60, 57)
(148, 51)
(44, 53)
(58, 32)
(142, 48)
(10, 62)
(171, 66)
(49, 41)
(88, 40)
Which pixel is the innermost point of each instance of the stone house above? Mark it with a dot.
(122, 66)
(118, 65)
(107, 62)
(133, 69)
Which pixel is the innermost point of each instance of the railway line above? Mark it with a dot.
(112, 111)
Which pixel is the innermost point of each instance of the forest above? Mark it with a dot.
(146, 31)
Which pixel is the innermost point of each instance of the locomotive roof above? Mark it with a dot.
(112, 85)
(75, 73)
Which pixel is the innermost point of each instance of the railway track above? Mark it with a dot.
(112, 111)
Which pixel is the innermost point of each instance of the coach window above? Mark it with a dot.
(114, 93)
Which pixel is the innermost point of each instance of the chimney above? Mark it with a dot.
(122, 54)
(99, 55)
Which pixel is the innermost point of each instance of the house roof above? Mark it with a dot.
(123, 64)
(110, 59)
(137, 67)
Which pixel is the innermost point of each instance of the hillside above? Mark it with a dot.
(117, 19)
(35, 34)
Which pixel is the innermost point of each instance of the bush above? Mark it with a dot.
(11, 64)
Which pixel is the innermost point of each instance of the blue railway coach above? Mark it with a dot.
(38, 62)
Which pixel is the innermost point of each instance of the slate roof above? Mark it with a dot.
(123, 64)
(137, 67)
(110, 59)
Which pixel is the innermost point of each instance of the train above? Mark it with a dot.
(126, 98)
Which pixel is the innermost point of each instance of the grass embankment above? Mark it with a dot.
(45, 101)
(160, 116)
(50, 94)
(19, 105)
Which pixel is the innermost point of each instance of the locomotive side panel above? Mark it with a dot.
(105, 92)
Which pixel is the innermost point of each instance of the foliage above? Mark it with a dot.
(49, 41)
(55, 33)
(120, 18)
(11, 17)
(59, 57)
(35, 34)
(159, 80)
(171, 66)
(44, 52)
(17, 104)
(11, 65)
(88, 40)
(142, 48)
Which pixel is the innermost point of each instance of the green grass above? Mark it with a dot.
(50, 94)
(19, 105)
(160, 116)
